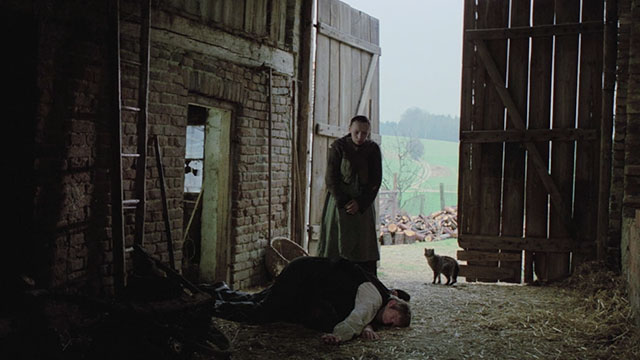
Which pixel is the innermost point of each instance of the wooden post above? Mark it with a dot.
(610, 52)
(442, 196)
(395, 195)
(165, 205)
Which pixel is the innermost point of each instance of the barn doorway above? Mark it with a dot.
(207, 193)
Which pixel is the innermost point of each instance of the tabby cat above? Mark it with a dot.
(441, 264)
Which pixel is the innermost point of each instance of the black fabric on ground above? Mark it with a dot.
(313, 291)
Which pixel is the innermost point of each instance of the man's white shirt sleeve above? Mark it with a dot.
(368, 302)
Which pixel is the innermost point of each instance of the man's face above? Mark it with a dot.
(390, 316)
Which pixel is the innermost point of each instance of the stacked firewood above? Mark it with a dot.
(405, 229)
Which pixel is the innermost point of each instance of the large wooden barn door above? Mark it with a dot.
(346, 84)
(530, 114)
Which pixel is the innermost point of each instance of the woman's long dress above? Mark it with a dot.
(353, 172)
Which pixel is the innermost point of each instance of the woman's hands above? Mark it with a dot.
(352, 207)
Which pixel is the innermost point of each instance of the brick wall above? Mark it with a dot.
(73, 149)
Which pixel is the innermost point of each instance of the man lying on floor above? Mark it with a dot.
(334, 296)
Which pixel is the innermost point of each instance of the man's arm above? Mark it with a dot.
(368, 302)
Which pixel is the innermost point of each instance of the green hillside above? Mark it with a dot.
(440, 164)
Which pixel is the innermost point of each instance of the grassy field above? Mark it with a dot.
(408, 262)
(440, 159)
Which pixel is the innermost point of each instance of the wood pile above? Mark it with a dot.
(405, 229)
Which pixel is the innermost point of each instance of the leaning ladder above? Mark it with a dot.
(122, 199)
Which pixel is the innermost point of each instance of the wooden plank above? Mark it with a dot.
(374, 26)
(532, 135)
(478, 272)
(482, 242)
(466, 255)
(217, 7)
(227, 13)
(183, 32)
(347, 39)
(520, 32)
(365, 61)
(466, 204)
(492, 14)
(238, 15)
(610, 49)
(557, 200)
(117, 217)
(250, 14)
(589, 110)
(366, 88)
(260, 18)
(514, 156)
(357, 77)
(537, 204)
(282, 30)
(472, 104)
(321, 108)
(346, 78)
(334, 68)
(564, 116)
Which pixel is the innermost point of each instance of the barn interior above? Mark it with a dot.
(121, 113)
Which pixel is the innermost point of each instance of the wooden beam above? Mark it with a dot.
(366, 89)
(332, 32)
(534, 31)
(518, 122)
(531, 135)
(476, 255)
(486, 272)
(521, 243)
(193, 36)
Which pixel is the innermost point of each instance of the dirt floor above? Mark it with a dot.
(585, 317)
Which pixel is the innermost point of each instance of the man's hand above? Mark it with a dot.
(369, 334)
(330, 339)
(352, 207)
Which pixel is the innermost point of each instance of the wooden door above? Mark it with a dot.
(530, 114)
(215, 216)
(346, 84)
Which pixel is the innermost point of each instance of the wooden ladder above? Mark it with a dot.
(127, 199)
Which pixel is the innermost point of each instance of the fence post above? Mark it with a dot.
(441, 196)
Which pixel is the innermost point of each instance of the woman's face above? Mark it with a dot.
(359, 132)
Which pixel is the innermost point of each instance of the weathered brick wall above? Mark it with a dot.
(175, 75)
(73, 152)
(72, 148)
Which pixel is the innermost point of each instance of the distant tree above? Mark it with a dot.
(415, 149)
(415, 122)
(408, 168)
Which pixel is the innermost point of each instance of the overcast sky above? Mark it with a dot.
(421, 60)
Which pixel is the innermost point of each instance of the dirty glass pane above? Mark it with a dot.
(194, 158)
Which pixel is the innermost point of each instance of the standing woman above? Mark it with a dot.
(353, 178)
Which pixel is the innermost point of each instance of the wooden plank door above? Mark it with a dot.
(530, 114)
(346, 84)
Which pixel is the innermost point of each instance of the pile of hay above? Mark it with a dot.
(605, 310)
